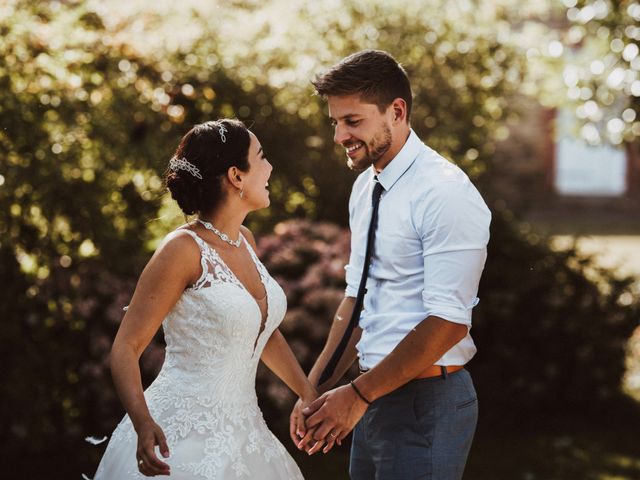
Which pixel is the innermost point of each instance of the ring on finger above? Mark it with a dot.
(333, 434)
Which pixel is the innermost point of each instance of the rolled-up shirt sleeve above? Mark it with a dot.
(353, 273)
(454, 230)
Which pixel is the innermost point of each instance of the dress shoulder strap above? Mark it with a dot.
(204, 249)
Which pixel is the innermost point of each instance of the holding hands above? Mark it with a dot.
(327, 420)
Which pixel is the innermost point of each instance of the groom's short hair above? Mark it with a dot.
(374, 74)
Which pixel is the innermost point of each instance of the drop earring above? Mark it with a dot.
(241, 193)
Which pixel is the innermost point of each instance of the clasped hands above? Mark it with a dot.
(326, 420)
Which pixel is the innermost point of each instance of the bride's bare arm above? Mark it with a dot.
(277, 355)
(279, 358)
(172, 268)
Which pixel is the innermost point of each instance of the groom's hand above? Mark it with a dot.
(333, 416)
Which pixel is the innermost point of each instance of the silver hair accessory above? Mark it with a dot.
(184, 164)
(222, 130)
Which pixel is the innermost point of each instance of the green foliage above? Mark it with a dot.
(462, 66)
(554, 329)
(602, 73)
(76, 155)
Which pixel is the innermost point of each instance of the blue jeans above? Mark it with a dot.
(423, 430)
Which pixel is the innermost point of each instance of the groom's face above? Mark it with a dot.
(363, 131)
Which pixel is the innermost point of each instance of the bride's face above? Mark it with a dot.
(256, 180)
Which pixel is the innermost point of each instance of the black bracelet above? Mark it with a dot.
(359, 393)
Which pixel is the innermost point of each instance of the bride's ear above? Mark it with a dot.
(234, 176)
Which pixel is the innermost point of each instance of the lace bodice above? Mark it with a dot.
(204, 396)
(213, 331)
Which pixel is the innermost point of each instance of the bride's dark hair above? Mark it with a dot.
(212, 148)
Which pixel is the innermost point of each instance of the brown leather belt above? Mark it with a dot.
(433, 371)
(437, 370)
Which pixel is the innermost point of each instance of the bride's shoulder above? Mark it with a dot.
(179, 244)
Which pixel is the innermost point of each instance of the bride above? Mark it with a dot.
(220, 310)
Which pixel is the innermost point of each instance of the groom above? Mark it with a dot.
(419, 231)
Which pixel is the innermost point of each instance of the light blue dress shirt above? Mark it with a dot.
(429, 253)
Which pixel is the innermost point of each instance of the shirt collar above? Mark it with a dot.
(401, 162)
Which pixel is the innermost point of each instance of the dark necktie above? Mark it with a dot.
(357, 308)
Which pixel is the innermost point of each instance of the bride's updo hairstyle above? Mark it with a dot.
(201, 161)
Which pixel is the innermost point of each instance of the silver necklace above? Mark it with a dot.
(223, 236)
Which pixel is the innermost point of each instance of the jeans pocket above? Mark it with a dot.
(467, 403)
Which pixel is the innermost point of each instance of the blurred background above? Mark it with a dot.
(539, 102)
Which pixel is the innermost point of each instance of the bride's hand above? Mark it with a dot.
(149, 435)
(297, 428)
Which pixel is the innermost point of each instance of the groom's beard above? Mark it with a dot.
(379, 145)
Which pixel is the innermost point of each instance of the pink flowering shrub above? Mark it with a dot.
(307, 259)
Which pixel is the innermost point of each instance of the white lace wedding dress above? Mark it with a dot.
(204, 397)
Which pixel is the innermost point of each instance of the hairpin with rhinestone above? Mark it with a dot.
(184, 164)
(222, 130)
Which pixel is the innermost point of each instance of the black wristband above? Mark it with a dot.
(359, 393)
